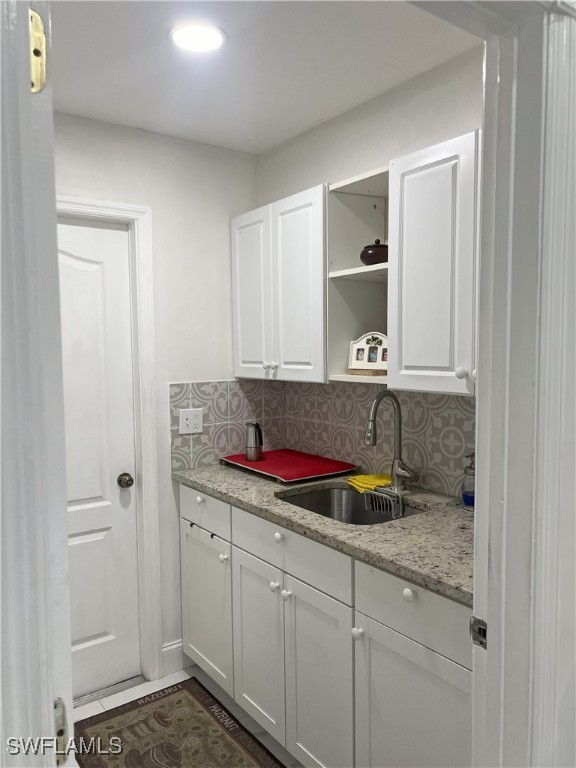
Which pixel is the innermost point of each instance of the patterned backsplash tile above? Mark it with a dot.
(438, 430)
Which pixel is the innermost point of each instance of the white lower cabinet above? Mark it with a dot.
(391, 690)
(207, 602)
(413, 706)
(259, 641)
(319, 684)
(293, 662)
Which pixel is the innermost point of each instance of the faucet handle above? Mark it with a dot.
(404, 471)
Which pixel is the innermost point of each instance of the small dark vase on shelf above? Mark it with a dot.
(375, 253)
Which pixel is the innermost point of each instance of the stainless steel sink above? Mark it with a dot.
(343, 504)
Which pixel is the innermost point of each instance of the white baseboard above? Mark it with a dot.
(173, 658)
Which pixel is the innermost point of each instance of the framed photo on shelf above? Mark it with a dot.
(369, 355)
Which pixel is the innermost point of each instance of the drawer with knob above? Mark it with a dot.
(432, 620)
(313, 563)
(205, 511)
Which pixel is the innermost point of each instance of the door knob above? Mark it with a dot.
(125, 480)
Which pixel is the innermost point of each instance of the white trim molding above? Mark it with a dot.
(173, 658)
(554, 578)
(138, 221)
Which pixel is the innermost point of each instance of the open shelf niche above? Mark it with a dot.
(357, 294)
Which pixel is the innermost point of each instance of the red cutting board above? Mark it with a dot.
(290, 466)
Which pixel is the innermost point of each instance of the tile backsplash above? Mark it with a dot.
(438, 430)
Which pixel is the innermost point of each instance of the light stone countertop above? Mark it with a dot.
(433, 549)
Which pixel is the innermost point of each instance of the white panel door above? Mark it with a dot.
(298, 259)
(99, 416)
(258, 621)
(252, 293)
(413, 706)
(35, 628)
(206, 570)
(319, 683)
(432, 268)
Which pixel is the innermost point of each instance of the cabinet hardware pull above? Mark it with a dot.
(199, 499)
(474, 374)
(222, 558)
(265, 365)
(460, 372)
(409, 595)
(357, 633)
(273, 365)
(286, 594)
(278, 536)
(274, 586)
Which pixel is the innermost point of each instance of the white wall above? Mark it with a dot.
(438, 105)
(193, 190)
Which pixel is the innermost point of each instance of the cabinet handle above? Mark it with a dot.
(274, 586)
(222, 558)
(265, 365)
(474, 374)
(357, 633)
(460, 372)
(273, 366)
(286, 594)
(409, 595)
(278, 537)
(199, 499)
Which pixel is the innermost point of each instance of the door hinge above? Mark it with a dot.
(61, 730)
(37, 53)
(478, 631)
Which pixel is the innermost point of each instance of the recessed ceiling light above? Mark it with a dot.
(198, 37)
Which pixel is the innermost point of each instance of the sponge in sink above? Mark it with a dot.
(368, 482)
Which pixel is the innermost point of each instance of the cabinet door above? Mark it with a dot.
(319, 687)
(207, 602)
(431, 273)
(259, 641)
(299, 286)
(413, 706)
(252, 293)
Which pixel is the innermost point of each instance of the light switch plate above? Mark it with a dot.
(190, 421)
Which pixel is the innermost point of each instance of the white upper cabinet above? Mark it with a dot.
(432, 268)
(278, 289)
(252, 292)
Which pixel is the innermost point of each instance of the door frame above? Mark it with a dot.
(138, 221)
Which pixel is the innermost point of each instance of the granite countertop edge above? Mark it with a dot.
(433, 549)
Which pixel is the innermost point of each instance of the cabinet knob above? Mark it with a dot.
(278, 537)
(265, 365)
(274, 586)
(357, 633)
(409, 595)
(460, 372)
(286, 594)
(222, 558)
(474, 374)
(199, 499)
(273, 366)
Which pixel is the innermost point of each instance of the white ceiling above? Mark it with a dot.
(286, 67)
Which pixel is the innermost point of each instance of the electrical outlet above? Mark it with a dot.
(190, 421)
